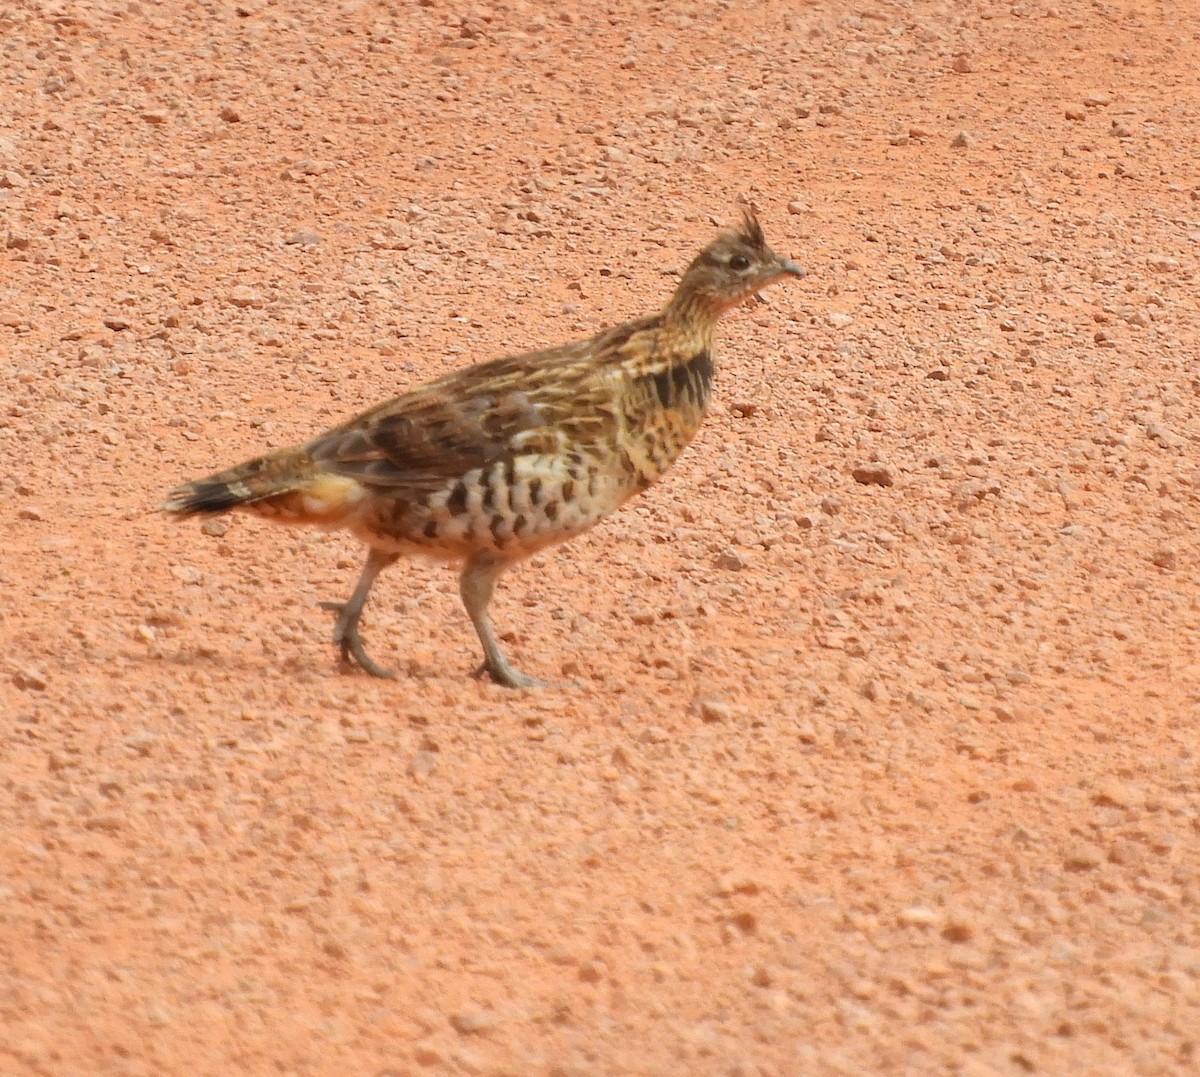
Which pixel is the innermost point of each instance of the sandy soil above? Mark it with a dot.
(874, 749)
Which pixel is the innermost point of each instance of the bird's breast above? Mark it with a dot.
(663, 409)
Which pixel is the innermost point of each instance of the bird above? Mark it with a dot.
(494, 462)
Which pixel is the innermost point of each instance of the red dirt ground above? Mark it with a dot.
(874, 749)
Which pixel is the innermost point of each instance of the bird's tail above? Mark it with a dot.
(286, 484)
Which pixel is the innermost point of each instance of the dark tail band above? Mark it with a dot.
(205, 498)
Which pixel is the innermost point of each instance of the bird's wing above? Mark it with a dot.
(470, 419)
(473, 417)
(423, 438)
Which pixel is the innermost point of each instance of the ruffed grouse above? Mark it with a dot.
(494, 462)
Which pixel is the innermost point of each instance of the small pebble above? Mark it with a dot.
(761, 976)
(1084, 858)
(714, 710)
(737, 882)
(1155, 431)
(422, 765)
(30, 679)
(1113, 794)
(473, 1022)
(140, 743)
(1162, 263)
(806, 732)
(243, 297)
(958, 930)
(731, 560)
(873, 475)
(918, 916)
(591, 972)
(1165, 557)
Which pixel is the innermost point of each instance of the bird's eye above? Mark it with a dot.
(739, 262)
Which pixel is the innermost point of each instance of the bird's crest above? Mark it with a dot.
(751, 231)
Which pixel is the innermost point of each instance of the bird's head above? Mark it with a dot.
(731, 269)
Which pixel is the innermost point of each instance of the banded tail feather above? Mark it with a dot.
(262, 483)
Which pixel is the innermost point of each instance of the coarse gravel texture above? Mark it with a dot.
(874, 743)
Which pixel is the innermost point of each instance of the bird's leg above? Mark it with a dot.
(345, 632)
(478, 578)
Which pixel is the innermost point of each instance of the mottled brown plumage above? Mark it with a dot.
(494, 462)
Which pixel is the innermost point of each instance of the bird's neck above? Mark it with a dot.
(689, 323)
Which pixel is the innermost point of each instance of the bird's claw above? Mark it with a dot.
(348, 641)
(509, 677)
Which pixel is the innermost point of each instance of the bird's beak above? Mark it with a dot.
(784, 267)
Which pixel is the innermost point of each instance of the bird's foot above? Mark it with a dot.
(502, 673)
(348, 641)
